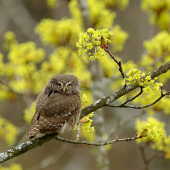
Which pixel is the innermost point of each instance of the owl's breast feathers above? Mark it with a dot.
(55, 113)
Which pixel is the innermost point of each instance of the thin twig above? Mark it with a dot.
(118, 62)
(141, 107)
(133, 98)
(97, 144)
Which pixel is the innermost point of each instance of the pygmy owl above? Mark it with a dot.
(57, 107)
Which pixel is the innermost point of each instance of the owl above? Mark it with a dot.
(57, 107)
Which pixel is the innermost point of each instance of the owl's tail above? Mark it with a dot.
(34, 131)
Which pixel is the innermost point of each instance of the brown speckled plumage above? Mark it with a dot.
(57, 107)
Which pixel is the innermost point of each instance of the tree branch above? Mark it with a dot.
(24, 147)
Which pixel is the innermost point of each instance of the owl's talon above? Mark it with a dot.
(78, 132)
(57, 137)
(77, 137)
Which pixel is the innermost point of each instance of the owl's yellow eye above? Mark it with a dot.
(58, 84)
(69, 85)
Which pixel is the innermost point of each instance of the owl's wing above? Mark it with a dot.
(35, 120)
(59, 112)
(41, 99)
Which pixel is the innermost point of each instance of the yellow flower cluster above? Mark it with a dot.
(101, 17)
(155, 130)
(58, 33)
(84, 98)
(86, 121)
(21, 71)
(136, 77)
(25, 53)
(13, 166)
(10, 39)
(158, 11)
(76, 14)
(157, 53)
(8, 131)
(92, 39)
(118, 38)
(159, 46)
(21, 68)
(57, 61)
(122, 4)
(86, 130)
(155, 133)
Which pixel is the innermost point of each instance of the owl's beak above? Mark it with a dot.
(64, 89)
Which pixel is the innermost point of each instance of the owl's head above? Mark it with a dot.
(64, 84)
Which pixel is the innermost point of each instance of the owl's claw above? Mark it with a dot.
(77, 137)
(78, 132)
(57, 137)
